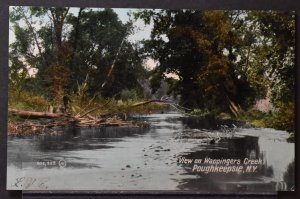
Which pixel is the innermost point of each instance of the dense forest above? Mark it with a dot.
(212, 62)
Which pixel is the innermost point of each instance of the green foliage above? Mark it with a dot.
(82, 102)
(267, 51)
(257, 118)
(64, 49)
(200, 112)
(128, 95)
(253, 114)
(284, 117)
(56, 83)
(96, 38)
(291, 137)
(224, 116)
(190, 44)
(155, 80)
(27, 101)
(222, 57)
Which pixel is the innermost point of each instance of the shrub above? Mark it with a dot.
(284, 118)
(27, 101)
(128, 95)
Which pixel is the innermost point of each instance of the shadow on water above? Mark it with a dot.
(28, 151)
(86, 138)
(210, 122)
(289, 177)
(238, 148)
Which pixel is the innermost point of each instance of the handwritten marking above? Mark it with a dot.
(28, 182)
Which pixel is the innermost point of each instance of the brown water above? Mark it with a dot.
(119, 158)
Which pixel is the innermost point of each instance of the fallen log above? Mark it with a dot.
(150, 101)
(32, 114)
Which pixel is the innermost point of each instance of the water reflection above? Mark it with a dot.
(210, 122)
(29, 151)
(258, 145)
(289, 178)
(86, 138)
(238, 148)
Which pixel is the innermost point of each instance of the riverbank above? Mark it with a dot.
(281, 119)
(93, 111)
(54, 126)
(30, 114)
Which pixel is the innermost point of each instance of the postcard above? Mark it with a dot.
(151, 99)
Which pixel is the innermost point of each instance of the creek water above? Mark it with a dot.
(123, 158)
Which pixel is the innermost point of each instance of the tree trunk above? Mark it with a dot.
(32, 114)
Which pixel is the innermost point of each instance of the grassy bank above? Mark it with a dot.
(281, 119)
(81, 104)
(83, 111)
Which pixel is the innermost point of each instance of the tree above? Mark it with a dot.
(191, 44)
(65, 48)
(268, 57)
(278, 31)
(103, 52)
(43, 47)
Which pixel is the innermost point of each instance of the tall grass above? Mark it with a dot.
(80, 103)
(25, 100)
